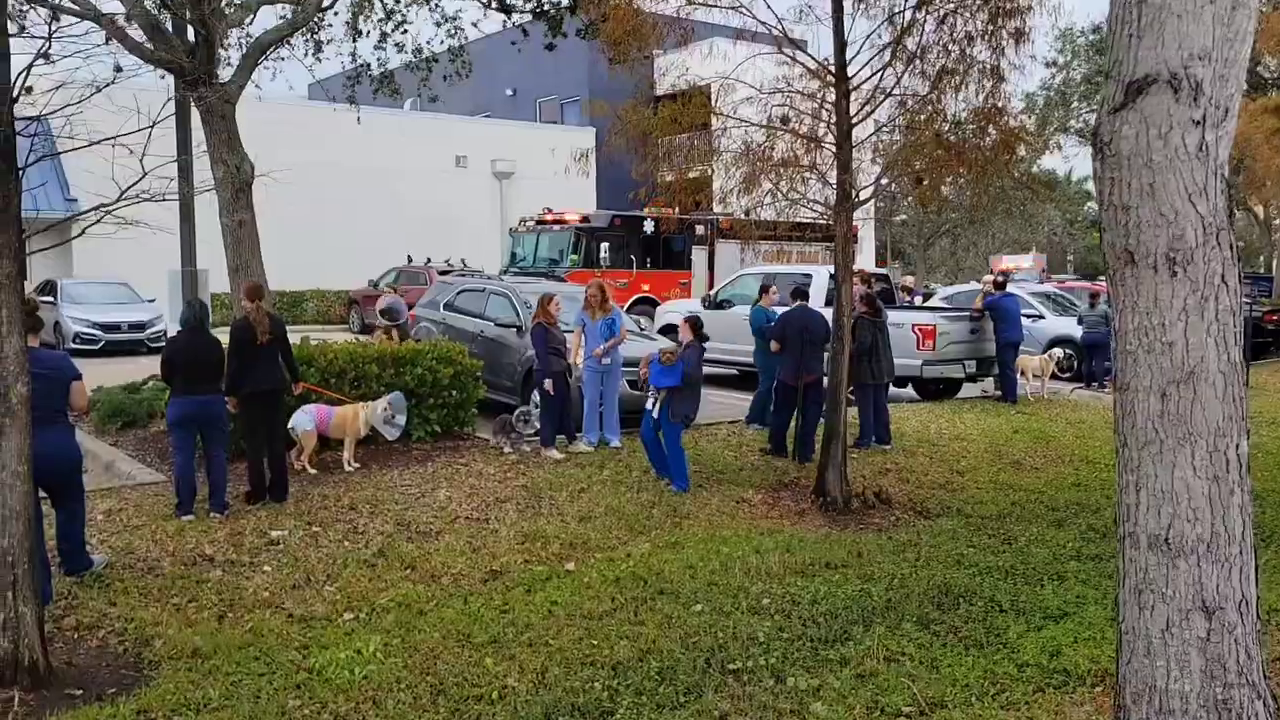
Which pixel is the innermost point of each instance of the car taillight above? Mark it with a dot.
(413, 319)
(926, 337)
(1271, 317)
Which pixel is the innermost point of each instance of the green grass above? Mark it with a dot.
(486, 586)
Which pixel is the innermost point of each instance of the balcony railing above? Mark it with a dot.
(689, 150)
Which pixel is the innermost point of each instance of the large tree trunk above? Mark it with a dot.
(24, 657)
(233, 176)
(831, 486)
(1189, 645)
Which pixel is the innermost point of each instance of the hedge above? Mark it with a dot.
(296, 307)
(440, 380)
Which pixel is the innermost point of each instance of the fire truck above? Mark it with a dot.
(1031, 267)
(655, 255)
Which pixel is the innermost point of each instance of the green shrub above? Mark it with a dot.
(131, 405)
(296, 307)
(439, 379)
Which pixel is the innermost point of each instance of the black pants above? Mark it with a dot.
(787, 399)
(263, 427)
(555, 414)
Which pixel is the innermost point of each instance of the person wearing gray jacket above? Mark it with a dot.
(1096, 320)
(871, 371)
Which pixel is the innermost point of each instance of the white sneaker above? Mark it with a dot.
(615, 445)
(552, 454)
(187, 518)
(578, 447)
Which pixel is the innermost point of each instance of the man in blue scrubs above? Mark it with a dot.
(1006, 316)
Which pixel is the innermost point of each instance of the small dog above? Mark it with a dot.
(507, 437)
(1029, 367)
(348, 423)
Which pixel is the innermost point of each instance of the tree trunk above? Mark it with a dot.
(1189, 629)
(24, 656)
(233, 176)
(831, 486)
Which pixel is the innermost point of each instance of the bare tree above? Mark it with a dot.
(1189, 626)
(24, 655)
(806, 111)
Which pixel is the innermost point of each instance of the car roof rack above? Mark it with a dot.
(472, 273)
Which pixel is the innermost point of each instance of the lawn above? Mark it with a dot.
(477, 585)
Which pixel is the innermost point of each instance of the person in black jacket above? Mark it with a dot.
(192, 365)
(664, 424)
(871, 372)
(551, 361)
(260, 370)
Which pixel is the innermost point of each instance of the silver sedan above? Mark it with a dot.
(84, 314)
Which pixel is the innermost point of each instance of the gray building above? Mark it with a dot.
(514, 76)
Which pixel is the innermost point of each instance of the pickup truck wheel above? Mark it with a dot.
(355, 320)
(1071, 365)
(934, 390)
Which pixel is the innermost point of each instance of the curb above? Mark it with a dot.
(107, 467)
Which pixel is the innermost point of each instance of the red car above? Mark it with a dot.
(1080, 289)
(410, 282)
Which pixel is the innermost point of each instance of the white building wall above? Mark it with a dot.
(51, 253)
(341, 194)
(747, 81)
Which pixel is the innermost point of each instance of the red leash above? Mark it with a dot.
(322, 391)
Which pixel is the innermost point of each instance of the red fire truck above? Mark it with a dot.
(655, 255)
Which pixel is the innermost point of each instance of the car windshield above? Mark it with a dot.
(1058, 303)
(570, 305)
(545, 249)
(99, 293)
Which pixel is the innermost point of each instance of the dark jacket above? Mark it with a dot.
(803, 334)
(872, 358)
(254, 367)
(550, 351)
(683, 401)
(193, 363)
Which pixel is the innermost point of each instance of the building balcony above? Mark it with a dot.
(690, 150)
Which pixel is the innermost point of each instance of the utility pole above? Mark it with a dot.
(186, 178)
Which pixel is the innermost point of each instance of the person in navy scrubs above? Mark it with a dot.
(57, 467)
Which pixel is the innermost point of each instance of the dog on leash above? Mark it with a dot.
(1030, 367)
(507, 437)
(348, 423)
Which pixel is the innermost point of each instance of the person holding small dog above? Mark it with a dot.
(551, 365)
(260, 370)
(675, 406)
(600, 332)
(872, 371)
(799, 338)
(1095, 319)
(1006, 318)
(762, 316)
(192, 365)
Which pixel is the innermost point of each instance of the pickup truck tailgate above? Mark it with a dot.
(934, 343)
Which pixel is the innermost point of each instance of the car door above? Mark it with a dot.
(411, 284)
(727, 321)
(501, 349)
(1035, 331)
(459, 315)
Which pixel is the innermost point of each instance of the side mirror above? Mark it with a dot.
(604, 255)
(706, 301)
(1032, 315)
(372, 283)
(509, 324)
(149, 300)
(46, 300)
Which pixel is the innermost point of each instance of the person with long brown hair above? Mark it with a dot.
(551, 370)
(600, 329)
(260, 370)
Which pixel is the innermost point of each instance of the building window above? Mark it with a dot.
(549, 110)
(571, 111)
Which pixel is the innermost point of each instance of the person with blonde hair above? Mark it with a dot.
(600, 330)
(260, 370)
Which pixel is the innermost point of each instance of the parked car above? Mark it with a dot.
(492, 316)
(1048, 319)
(1080, 289)
(84, 314)
(410, 282)
(934, 351)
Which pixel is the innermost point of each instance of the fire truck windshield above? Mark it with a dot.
(545, 249)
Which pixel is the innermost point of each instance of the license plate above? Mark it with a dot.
(971, 366)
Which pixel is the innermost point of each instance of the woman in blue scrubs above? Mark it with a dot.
(57, 466)
(600, 331)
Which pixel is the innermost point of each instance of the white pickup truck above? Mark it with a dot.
(935, 350)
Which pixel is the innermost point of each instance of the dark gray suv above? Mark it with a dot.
(492, 317)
